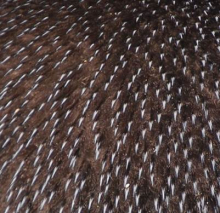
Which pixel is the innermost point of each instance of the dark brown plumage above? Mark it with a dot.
(109, 106)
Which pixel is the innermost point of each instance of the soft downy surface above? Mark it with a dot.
(109, 106)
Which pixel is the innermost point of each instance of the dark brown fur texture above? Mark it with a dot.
(109, 106)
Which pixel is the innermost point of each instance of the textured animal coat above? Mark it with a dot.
(109, 106)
